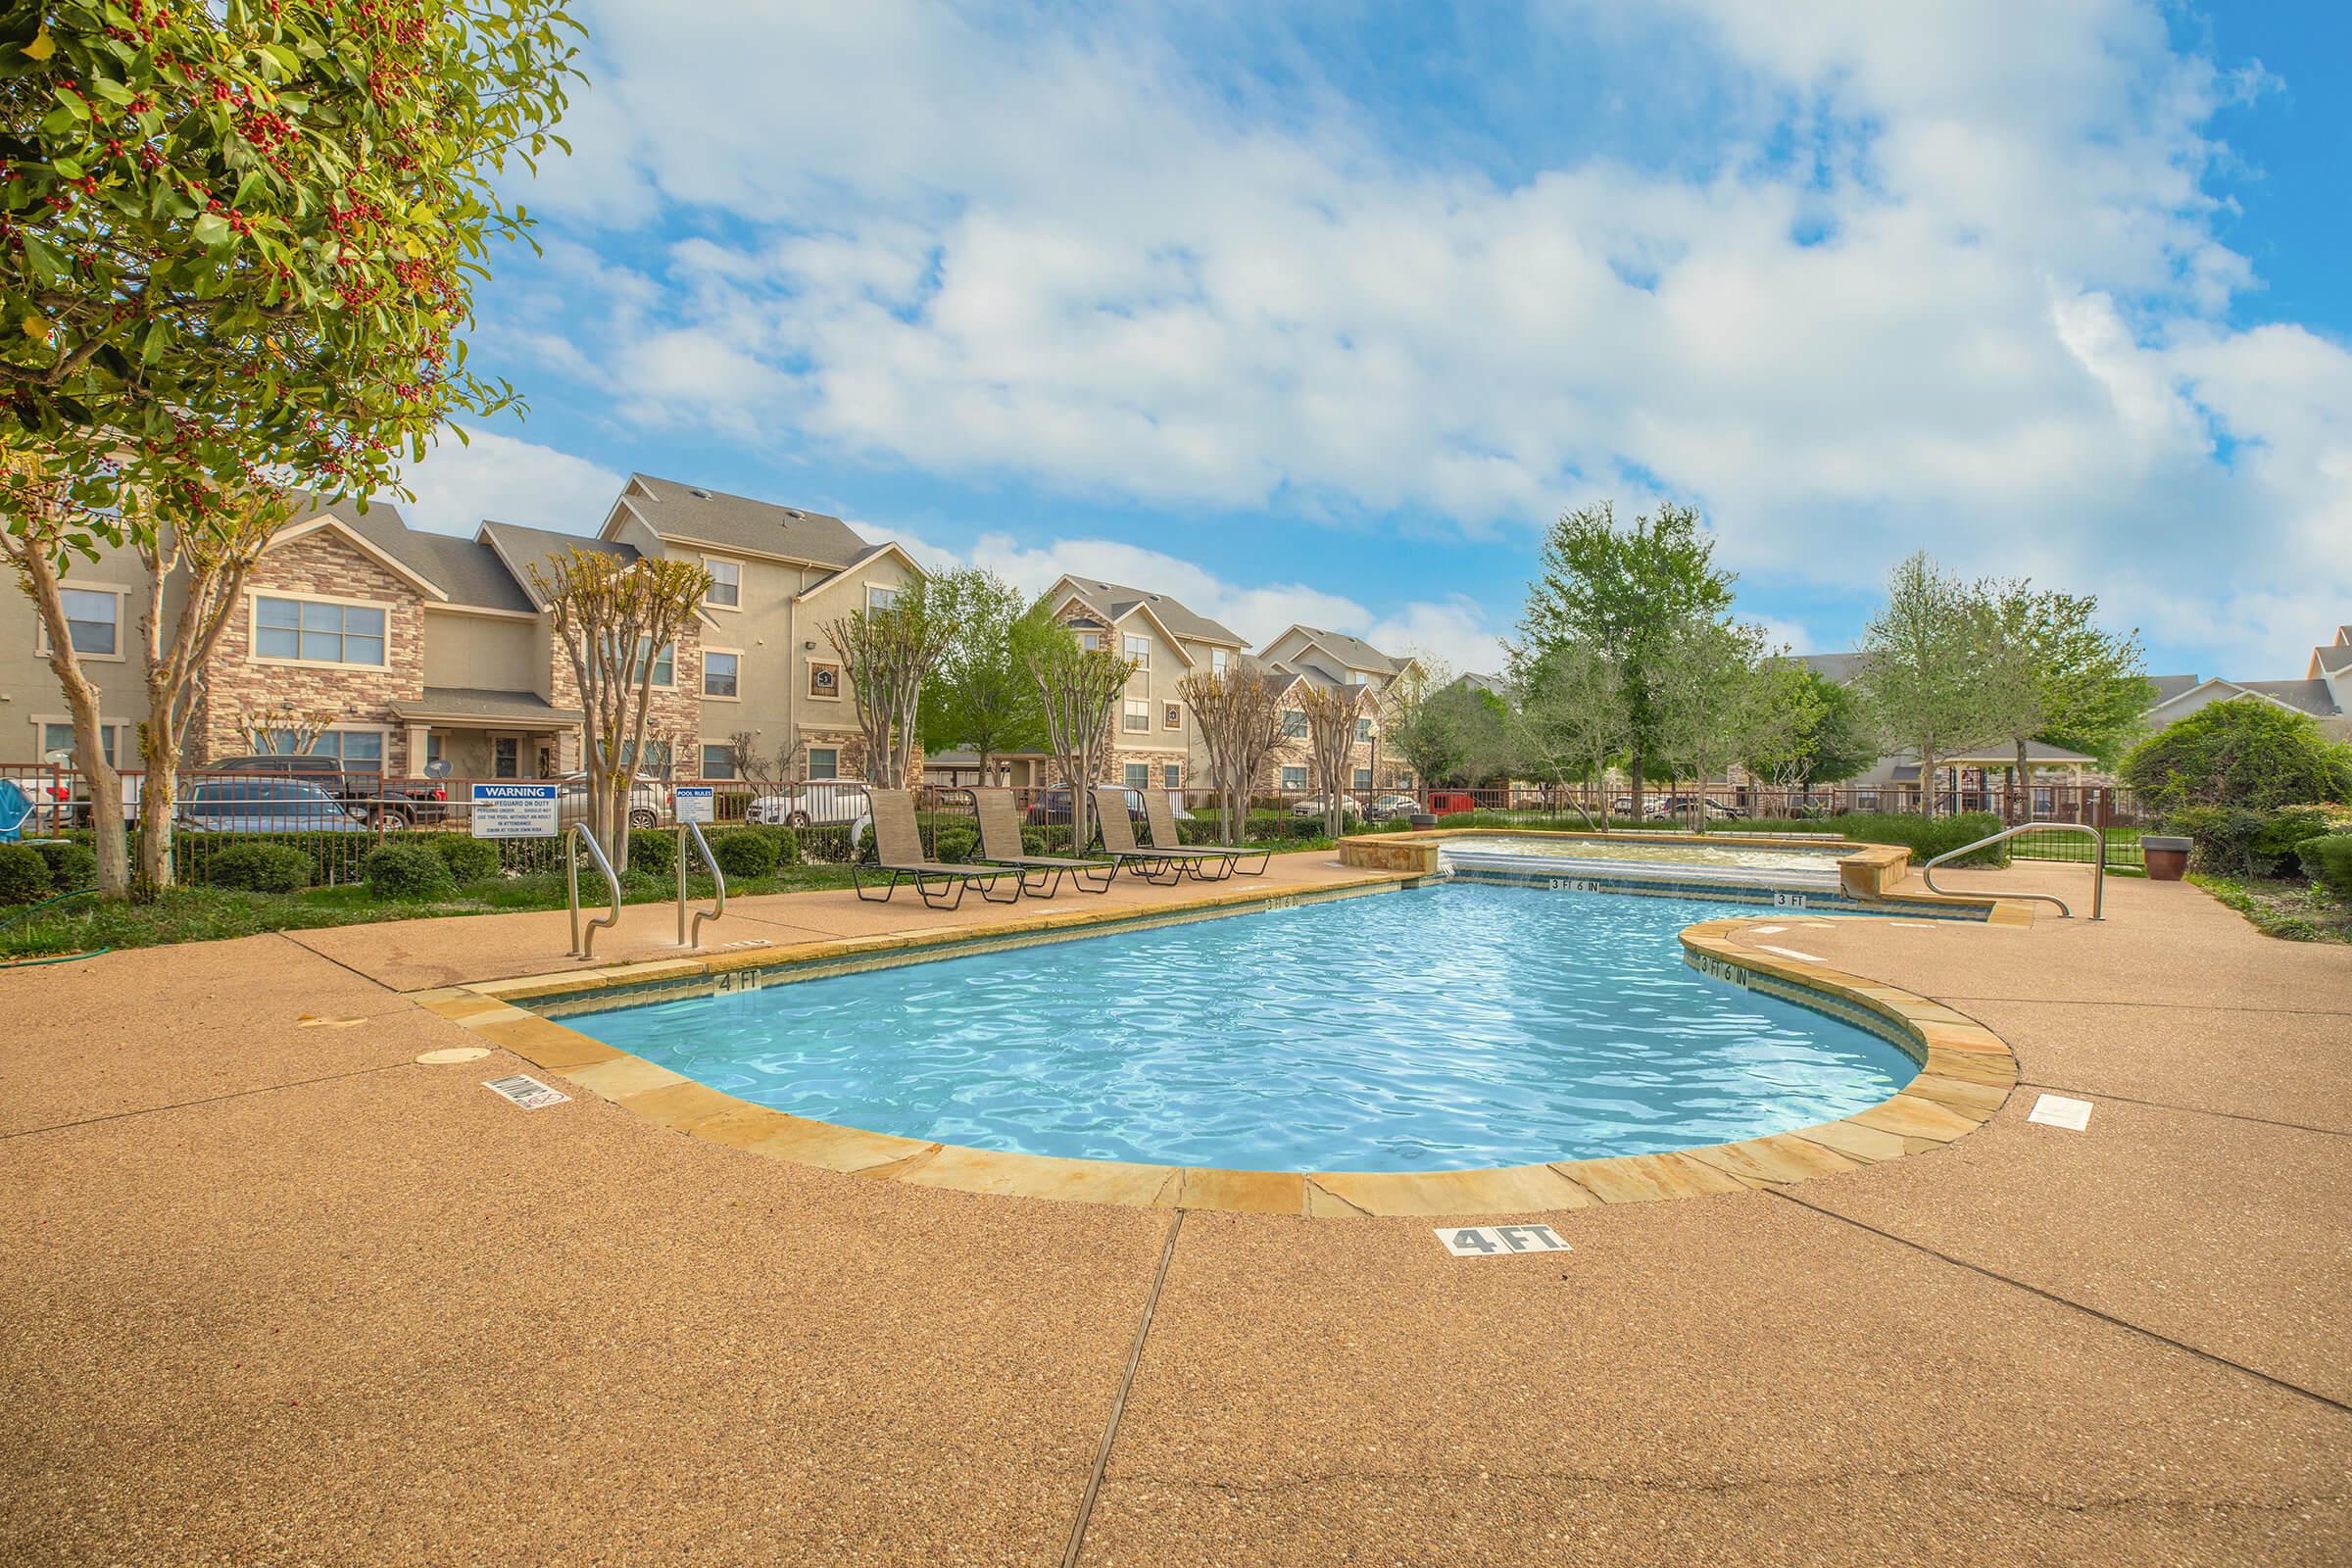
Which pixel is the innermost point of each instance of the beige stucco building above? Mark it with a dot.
(1310, 656)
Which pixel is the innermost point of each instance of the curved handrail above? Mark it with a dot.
(2098, 868)
(691, 936)
(571, 888)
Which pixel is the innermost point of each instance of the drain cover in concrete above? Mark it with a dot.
(2059, 1110)
(527, 1091)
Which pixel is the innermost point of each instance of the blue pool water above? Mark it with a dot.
(1434, 1029)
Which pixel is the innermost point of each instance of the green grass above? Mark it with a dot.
(206, 914)
(2291, 910)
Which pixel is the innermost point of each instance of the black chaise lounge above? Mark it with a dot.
(1148, 861)
(1041, 874)
(898, 857)
(1160, 818)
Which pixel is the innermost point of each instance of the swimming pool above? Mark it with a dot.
(1440, 1028)
(1728, 856)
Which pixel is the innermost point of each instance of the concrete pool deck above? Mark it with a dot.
(281, 1294)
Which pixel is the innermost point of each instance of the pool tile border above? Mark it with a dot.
(1967, 1073)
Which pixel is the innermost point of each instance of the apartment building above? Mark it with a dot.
(1305, 655)
(421, 648)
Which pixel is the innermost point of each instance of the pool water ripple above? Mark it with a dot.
(1441, 1028)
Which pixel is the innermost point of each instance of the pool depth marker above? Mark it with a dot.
(1499, 1241)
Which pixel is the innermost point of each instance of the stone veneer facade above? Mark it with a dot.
(673, 714)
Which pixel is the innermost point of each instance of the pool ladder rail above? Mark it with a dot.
(689, 933)
(2098, 867)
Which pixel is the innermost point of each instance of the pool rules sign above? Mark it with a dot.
(515, 810)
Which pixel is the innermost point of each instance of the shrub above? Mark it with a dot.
(2329, 862)
(954, 843)
(402, 868)
(259, 868)
(71, 866)
(745, 854)
(655, 852)
(2226, 838)
(2249, 754)
(787, 842)
(23, 875)
(2284, 832)
(469, 859)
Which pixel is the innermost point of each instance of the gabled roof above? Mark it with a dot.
(363, 534)
(1838, 667)
(694, 514)
(888, 547)
(2331, 660)
(520, 548)
(2308, 696)
(1352, 653)
(2168, 687)
(1115, 600)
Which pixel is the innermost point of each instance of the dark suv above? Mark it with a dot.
(362, 789)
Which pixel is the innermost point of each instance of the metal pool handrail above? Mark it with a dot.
(691, 936)
(2098, 867)
(571, 889)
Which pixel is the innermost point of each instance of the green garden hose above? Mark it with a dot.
(32, 909)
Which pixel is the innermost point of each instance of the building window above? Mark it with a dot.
(506, 756)
(318, 633)
(665, 663)
(1218, 660)
(432, 747)
(1138, 652)
(361, 749)
(718, 762)
(824, 680)
(1172, 776)
(878, 597)
(1139, 775)
(59, 736)
(1364, 729)
(1356, 678)
(1294, 724)
(726, 582)
(93, 622)
(1364, 778)
(656, 763)
(1138, 715)
(824, 762)
(1172, 717)
(718, 673)
(1294, 779)
(1091, 640)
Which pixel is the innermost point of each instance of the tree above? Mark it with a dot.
(2246, 753)
(613, 617)
(982, 694)
(1458, 736)
(1077, 687)
(889, 651)
(1568, 715)
(1702, 690)
(1239, 717)
(1626, 596)
(237, 245)
(1331, 715)
(284, 731)
(1803, 729)
(1922, 668)
(2052, 675)
(765, 770)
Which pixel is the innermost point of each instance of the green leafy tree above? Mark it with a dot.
(1703, 691)
(1803, 729)
(983, 696)
(1628, 594)
(2053, 675)
(238, 245)
(1457, 735)
(1568, 713)
(1922, 666)
(2246, 753)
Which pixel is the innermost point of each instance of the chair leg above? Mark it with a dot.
(933, 899)
(1086, 881)
(1012, 894)
(857, 886)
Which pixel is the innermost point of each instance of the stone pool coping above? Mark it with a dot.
(1966, 1074)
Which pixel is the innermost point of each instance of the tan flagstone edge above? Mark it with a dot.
(1967, 1073)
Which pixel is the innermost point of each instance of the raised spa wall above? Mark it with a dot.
(1870, 871)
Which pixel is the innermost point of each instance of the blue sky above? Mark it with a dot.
(1322, 312)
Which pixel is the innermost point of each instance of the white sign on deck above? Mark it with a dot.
(515, 810)
(527, 1091)
(2059, 1110)
(1499, 1241)
(697, 803)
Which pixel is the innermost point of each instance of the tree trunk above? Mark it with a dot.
(159, 791)
(1633, 768)
(1926, 783)
(98, 775)
(2021, 804)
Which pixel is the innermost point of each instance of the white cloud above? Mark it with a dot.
(1985, 318)
(499, 479)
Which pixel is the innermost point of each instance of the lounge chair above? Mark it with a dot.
(1160, 818)
(899, 856)
(1151, 862)
(1001, 845)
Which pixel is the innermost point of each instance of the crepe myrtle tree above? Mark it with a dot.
(284, 731)
(1238, 714)
(613, 617)
(1331, 715)
(889, 652)
(238, 245)
(1078, 687)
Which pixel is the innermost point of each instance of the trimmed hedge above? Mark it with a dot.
(259, 868)
(955, 845)
(71, 866)
(2329, 859)
(469, 859)
(744, 853)
(402, 868)
(23, 875)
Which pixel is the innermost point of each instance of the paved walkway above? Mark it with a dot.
(277, 1293)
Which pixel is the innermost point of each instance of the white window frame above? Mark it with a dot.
(653, 662)
(711, 565)
(1364, 779)
(1287, 770)
(710, 696)
(1136, 776)
(1219, 661)
(122, 653)
(382, 732)
(1091, 640)
(1136, 649)
(1290, 734)
(839, 676)
(702, 755)
(832, 769)
(41, 721)
(888, 596)
(1171, 776)
(253, 629)
(1135, 717)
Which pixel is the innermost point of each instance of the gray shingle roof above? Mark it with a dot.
(1352, 652)
(2168, 687)
(523, 547)
(1838, 667)
(2333, 657)
(1115, 600)
(464, 568)
(475, 701)
(2311, 696)
(693, 511)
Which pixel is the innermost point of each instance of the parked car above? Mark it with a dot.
(364, 790)
(1387, 807)
(1672, 808)
(1318, 807)
(1053, 805)
(820, 803)
(648, 801)
(265, 806)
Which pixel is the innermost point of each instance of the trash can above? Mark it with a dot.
(2168, 858)
(1421, 819)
